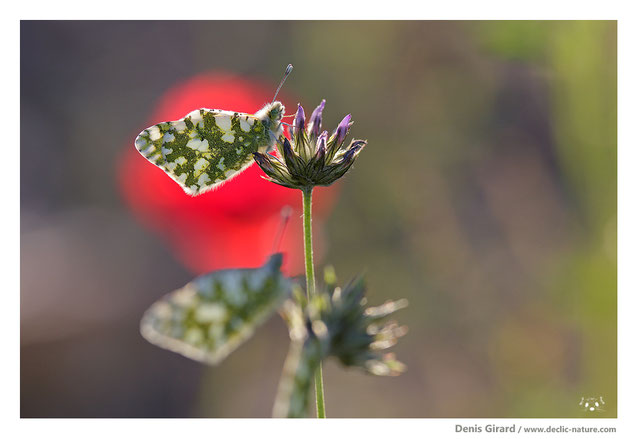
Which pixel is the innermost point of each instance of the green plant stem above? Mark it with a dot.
(307, 233)
(310, 286)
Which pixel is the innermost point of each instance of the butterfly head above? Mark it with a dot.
(271, 115)
(275, 112)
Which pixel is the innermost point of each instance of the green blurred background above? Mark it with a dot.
(486, 197)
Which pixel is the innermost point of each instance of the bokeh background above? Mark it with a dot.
(486, 197)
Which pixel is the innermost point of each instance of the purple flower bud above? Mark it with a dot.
(358, 144)
(300, 120)
(291, 159)
(260, 159)
(321, 145)
(272, 166)
(287, 149)
(323, 138)
(263, 162)
(355, 147)
(342, 129)
(315, 120)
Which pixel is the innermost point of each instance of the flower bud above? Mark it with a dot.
(321, 145)
(300, 120)
(293, 162)
(314, 125)
(342, 129)
(263, 162)
(353, 150)
(318, 162)
(288, 152)
(272, 166)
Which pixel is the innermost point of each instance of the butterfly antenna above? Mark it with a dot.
(286, 73)
(286, 211)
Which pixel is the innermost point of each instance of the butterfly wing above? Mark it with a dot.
(205, 148)
(208, 318)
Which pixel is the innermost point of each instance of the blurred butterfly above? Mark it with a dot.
(208, 147)
(212, 315)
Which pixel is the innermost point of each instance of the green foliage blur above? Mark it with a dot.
(487, 198)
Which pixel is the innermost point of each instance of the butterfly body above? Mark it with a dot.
(208, 147)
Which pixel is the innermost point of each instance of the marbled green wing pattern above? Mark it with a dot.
(212, 315)
(206, 147)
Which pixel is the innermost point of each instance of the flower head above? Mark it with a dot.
(335, 322)
(311, 157)
(339, 320)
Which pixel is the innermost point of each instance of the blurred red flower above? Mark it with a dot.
(230, 227)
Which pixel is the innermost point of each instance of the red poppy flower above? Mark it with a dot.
(234, 225)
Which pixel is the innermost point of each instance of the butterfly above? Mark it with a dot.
(207, 147)
(212, 315)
